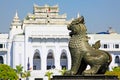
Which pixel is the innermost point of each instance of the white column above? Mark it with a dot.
(57, 56)
(69, 60)
(43, 57)
(8, 55)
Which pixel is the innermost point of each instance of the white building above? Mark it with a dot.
(40, 42)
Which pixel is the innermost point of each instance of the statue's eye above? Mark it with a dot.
(75, 23)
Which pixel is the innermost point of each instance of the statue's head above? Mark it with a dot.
(77, 26)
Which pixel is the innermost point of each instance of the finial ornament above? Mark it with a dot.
(78, 15)
(16, 14)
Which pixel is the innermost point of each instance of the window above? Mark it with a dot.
(50, 55)
(36, 60)
(50, 60)
(105, 46)
(117, 59)
(48, 67)
(34, 67)
(1, 45)
(38, 79)
(63, 59)
(116, 45)
(63, 66)
(1, 60)
(48, 21)
(63, 55)
(47, 15)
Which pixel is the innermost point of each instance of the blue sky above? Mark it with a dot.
(99, 14)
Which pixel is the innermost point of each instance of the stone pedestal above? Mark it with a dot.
(81, 77)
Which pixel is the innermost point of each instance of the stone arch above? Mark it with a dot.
(50, 60)
(37, 60)
(117, 59)
(64, 59)
(1, 60)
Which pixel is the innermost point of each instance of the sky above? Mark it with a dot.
(99, 14)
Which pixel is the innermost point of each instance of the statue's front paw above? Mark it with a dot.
(68, 73)
(88, 72)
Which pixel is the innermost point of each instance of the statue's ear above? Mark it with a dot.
(79, 19)
(82, 19)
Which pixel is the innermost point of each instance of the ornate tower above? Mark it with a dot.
(16, 26)
(15, 29)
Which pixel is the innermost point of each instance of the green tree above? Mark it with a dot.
(20, 73)
(7, 73)
(19, 70)
(26, 74)
(63, 71)
(115, 72)
(48, 74)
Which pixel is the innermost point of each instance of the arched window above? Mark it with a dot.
(1, 60)
(36, 60)
(117, 59)
(50, 60)
(63, 59)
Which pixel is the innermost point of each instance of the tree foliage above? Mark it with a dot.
(115, 71)
(6, 72)
(48, 74)
(25, 74)
(21, 73)
(19, 69)
(63, 71)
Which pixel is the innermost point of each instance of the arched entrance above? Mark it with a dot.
(63, 60)
(1, 60)
(117, 59)
(36, 60)
(50, 60)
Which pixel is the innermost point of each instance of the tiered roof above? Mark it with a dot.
(16, 21)
(46, 15)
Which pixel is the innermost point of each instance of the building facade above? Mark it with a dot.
(40, 43)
